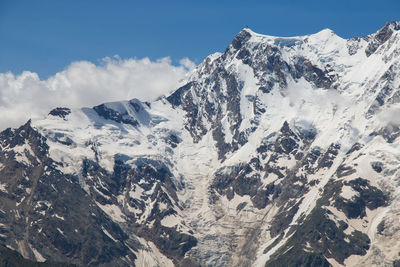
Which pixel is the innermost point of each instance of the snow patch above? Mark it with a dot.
(170, 221)
(113, 211)
(150, 256)
(38, 256)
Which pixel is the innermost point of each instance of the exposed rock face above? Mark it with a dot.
(60, 112)
(48, 211)
(279, 151)
(9, 257)
(381, 37)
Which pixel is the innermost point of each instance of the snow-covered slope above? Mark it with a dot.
(279, 151)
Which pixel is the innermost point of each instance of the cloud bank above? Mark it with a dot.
(83, 83)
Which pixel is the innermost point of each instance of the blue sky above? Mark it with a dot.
(45, 36)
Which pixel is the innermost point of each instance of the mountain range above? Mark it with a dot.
(280, 151)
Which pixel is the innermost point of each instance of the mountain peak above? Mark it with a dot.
(242, 37)
(323, 35)
(386, 30)
(395, 25)
(325, 32)
(381, 36)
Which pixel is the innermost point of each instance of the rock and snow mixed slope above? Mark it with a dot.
(277, 152)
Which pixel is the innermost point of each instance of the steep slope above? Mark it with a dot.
(9, 257)
(277, 151)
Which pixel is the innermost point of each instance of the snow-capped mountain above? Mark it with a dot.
(277, 152)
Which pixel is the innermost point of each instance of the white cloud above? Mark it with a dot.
(389, 117)
(83, 83)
